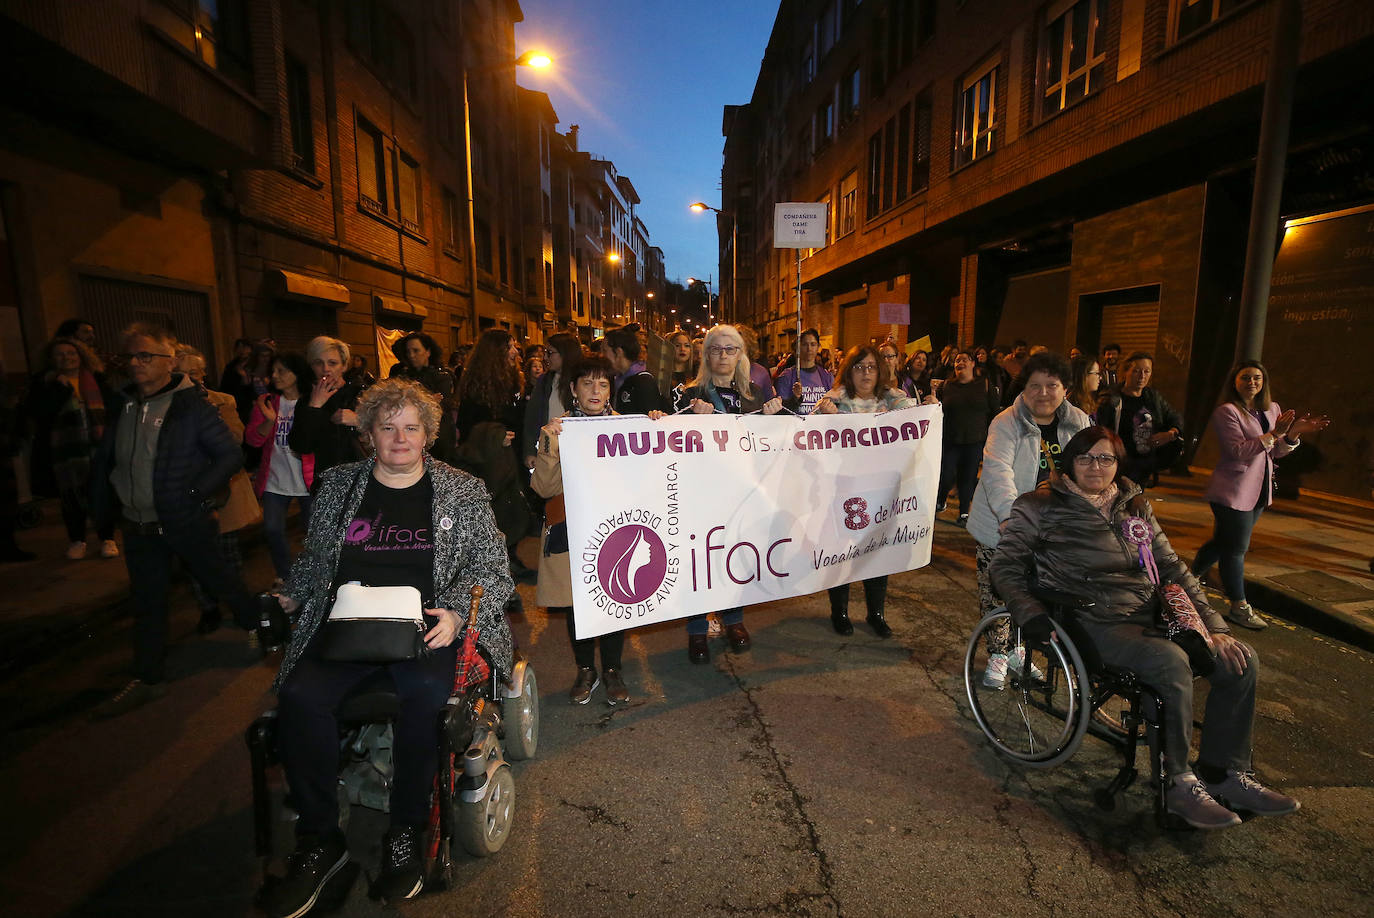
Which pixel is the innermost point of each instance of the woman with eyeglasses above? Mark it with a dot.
(1085, 380)
(1088, 536)
(1252, 432)
(722, 386)
(864, 387)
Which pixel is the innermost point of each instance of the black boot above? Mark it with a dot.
(840, 622)
(401, 875)
(316, 860)
(878, 623)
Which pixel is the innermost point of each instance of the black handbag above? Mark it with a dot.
(373, 625)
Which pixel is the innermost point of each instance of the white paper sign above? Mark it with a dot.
(696, 513)
(799, 226)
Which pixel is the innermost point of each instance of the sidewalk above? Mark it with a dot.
(1308, 564)
(1308, 560)
(50, 601)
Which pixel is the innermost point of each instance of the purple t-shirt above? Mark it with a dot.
(815, 383)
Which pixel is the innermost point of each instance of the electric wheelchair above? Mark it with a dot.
(490, 716)
(1057, 692)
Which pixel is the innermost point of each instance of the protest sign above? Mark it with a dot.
(697, 513)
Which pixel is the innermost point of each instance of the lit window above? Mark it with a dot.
(1075, 52)
(976, 133)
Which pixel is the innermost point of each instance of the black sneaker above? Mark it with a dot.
(402, 875)
(312, 865)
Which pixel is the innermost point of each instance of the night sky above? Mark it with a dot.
(646, 82)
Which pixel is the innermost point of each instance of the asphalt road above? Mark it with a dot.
(816, 775)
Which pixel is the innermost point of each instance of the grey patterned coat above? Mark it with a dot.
(468, 549)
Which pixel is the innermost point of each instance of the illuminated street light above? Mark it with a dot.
(535, 59)
(700, 207)
(613, 258)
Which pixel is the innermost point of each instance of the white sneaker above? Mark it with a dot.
(1016, 661)
(995, 676)
(1242, 614)
(108, 549)
(1240, 791)
(76, 551)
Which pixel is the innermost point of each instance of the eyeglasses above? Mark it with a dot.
(143, 356)
(717, 350)
(1103, 461)
(1093, 373)
(866, 368)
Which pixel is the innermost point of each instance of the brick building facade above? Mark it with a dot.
(1067, 172)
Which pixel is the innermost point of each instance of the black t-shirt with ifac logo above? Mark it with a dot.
(390, 540)
(1049, 440)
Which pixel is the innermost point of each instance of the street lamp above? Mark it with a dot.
(538, 61)
(700, 207)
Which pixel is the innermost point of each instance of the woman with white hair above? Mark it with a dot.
(327, 426)
(722, 385)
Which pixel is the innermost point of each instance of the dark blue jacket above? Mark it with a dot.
(196, 457)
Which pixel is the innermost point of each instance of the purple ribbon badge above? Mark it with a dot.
(1137, 532)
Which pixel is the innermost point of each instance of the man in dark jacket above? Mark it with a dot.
(636, 390)
(1150, 427)
(165, 454)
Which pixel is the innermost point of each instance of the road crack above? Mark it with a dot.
(792, 900)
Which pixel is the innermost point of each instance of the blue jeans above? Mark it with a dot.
(697, 624)
(274, 507)
(1227, 547)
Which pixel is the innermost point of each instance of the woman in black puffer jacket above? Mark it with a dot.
(1082, 535)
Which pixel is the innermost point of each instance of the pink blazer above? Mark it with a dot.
(1244, 466)
(268, 443)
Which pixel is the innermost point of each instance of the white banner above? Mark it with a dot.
(696, 513)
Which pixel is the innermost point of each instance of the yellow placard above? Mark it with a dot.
(920, 344)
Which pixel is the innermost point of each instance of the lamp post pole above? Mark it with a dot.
(733, 311)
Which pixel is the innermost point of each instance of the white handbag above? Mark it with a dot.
(373, 625)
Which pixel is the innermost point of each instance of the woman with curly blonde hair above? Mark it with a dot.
(400, 518)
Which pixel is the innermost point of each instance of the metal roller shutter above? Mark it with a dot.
(1134, 326)
(111, 305)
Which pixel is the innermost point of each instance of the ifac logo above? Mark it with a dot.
(631, 564)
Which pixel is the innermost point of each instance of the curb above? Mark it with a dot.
(1313, 614)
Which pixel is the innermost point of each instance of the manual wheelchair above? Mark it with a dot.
(489, 717)
(1057, 692)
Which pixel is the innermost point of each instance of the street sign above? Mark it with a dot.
(799, 226)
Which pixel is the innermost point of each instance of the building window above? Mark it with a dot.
(975, 134)
(371, 167)
(531, 277)
(408, 191)
(298, 114)
(381, 38)
(503, 257)
(444, 119)
(829, 215)
(849, 199)
(825, 123)
(849, 95)
(483, 257)
(808, 64)
(920, 147)
(1191, 16)
(548, 212)
(825, 30)
(1075, 52)
(217, 31)
(451, 221)
(875, 175)
(903, 153)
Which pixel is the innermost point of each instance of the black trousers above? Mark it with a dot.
(959, 465)
(308, 734)
(875, 596)
(148, 557)
(584, 651)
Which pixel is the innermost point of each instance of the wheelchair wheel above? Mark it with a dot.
(483, 826)
(521, 717)
(1039, 715)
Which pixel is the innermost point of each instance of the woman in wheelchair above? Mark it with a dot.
(400, 519)
(1091, 535)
